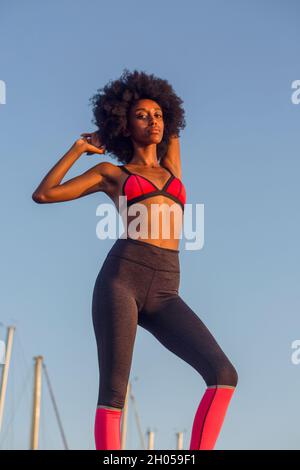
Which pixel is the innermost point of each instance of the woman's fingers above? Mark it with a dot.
(89, 133)
(94, 143)
(91, 137)
(94, 140)
(93, 149)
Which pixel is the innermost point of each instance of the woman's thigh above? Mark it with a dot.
(114, 313)
(181, 331)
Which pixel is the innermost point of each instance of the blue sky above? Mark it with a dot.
(233, 64)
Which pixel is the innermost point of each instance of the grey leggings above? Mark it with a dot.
(138, 285)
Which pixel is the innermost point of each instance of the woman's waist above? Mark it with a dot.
(139, 251)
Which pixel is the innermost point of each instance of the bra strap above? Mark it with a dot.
(167, 170)
(125, 169)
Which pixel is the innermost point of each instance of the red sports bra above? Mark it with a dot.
(137, 188)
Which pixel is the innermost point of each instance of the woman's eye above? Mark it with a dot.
(142, 115)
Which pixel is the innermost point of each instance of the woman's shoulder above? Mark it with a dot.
(109, 170)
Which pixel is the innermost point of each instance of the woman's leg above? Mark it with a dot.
(114, 312)
(209, 416)
(181, 331)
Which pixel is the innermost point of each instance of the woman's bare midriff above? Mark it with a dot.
(166, 221)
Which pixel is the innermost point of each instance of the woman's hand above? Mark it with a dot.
(90, 143)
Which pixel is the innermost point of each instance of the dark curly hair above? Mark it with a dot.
(112, 103)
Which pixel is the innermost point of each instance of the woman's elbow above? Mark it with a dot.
(39, 198)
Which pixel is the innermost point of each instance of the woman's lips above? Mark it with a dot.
(154, 131)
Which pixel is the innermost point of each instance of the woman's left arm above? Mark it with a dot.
(172, 158)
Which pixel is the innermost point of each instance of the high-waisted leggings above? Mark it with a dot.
(138, 284)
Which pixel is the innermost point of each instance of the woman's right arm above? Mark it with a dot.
(50, 190)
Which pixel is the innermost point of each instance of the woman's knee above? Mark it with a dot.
(224, 373)
(111, 400)
(112, 394)
(227, 375)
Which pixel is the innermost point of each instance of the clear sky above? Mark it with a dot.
(233, 64)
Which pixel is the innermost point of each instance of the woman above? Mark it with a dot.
(138, 118)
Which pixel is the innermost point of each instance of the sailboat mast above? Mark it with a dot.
(9, 343)
(36, 411)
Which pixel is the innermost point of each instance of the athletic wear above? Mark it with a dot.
(209, 417)
(138, 284)
(137, 188)
(107, 429)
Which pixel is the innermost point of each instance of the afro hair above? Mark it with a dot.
(111, 105)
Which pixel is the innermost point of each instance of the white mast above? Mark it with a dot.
(124, 419)
(179, 439)
(9, 342)
(150, 440)
(36, 403)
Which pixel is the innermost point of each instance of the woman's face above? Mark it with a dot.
(145, 116)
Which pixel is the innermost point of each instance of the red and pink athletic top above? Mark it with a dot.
(137, 187)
